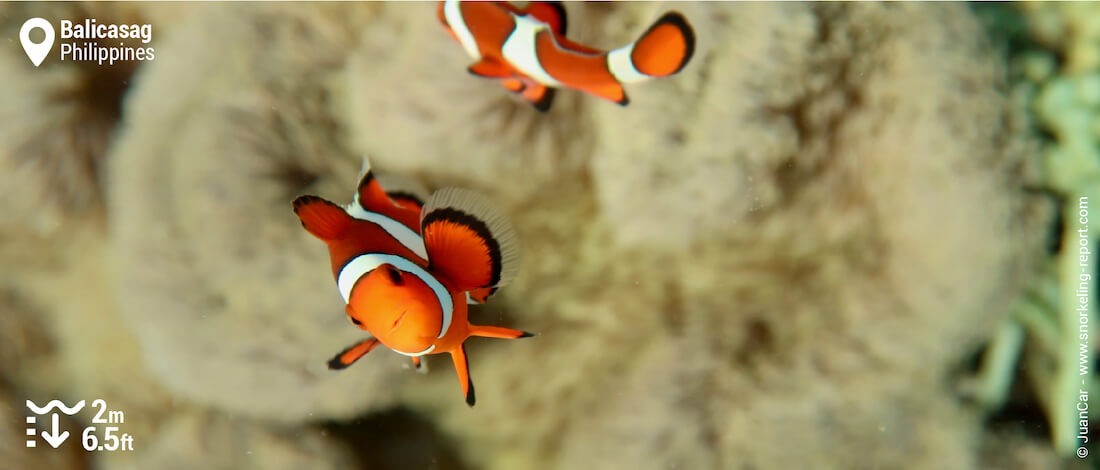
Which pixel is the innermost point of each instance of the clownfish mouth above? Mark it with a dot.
(397, 322)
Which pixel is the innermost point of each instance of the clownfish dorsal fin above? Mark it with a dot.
(489, 68)
(400, 200)
(469, 242)
(551, 13)
(323, 219)
(401, 190)
(369, 194)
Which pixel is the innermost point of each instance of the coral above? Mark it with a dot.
(1056, 69)
(1012, 451)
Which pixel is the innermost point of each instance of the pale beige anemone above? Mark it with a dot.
(778, 257)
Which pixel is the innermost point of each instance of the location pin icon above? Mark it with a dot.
(37, 52)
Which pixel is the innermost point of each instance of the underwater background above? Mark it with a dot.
(845, 236)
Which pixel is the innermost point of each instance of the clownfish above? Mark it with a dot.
(407, 266)
(527, 51)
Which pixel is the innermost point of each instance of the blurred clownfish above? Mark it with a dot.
(410, 291)
(526, 49)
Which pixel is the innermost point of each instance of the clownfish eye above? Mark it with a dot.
(356, 321)
(395, 275)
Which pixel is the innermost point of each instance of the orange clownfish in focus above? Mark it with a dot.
(526, 49)
(407, 267)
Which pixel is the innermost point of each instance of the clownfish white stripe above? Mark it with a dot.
(453, 13)
(367, 262)
(403, 234)
(415, 354)
(622, 66)
(519, 50)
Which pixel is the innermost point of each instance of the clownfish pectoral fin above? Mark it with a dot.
(469, 242)
(540, 96)
(462, 367)
(551, 13)
(663, 50)
(352, 354)
(322, 218)
(489, 68)
(481, 295)
(498, 332)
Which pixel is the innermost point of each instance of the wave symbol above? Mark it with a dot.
(55, 404)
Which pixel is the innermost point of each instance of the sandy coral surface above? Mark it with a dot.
(780, 258)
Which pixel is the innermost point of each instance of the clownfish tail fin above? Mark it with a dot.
(469, 242)
(664, 49)
(462, 368)
(498, 332)
(323, 219)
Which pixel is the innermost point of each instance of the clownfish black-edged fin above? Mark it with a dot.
(513, 85)
(369, 194)
(489, 68)
(462, 368)
(481, 295)
(402, 190)
(485, 331)
(348, 356)
(612, 92)
(624, 101)
(540, 97)
(469, 242)
(551, 13)
(665, 48)
(323, 219)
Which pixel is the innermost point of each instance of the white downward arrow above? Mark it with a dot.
(55, 439)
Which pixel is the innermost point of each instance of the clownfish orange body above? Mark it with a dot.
(527, 51)
(407, 267)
